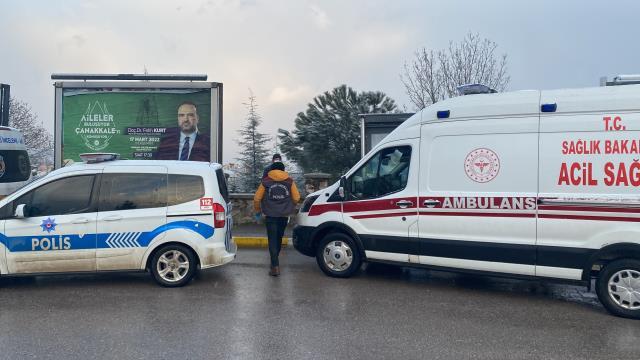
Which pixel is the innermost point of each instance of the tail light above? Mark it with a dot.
(219, 217)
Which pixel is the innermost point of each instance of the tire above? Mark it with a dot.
(173, 265)
(338, 255)
(613, 282)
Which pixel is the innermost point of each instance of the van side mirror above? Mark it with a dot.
(20, 211)
(342, 188)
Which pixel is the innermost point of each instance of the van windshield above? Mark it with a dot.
(14, 166)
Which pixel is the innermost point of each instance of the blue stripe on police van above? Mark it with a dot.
(99, 241)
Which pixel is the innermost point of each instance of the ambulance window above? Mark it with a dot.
(394, 170)
(70, 195)
(385, 173)
(132, 191)
(14, 166)
(362, 184)
(184, 188)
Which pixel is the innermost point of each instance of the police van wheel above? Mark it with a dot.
(618, 288)
(338, 256)
(173, 266)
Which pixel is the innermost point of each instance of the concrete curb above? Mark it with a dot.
(256, 241)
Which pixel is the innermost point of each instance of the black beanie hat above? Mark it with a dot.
(277, 166)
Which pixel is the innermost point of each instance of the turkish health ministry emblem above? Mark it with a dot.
(482, 165)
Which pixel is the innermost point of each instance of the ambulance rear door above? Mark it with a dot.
(589, 176)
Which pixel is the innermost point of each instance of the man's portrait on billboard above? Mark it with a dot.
(184, 142)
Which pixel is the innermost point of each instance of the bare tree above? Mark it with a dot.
(38, 140)
(434, 75)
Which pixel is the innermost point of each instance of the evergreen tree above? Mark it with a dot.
(326, 137)
(254, 153)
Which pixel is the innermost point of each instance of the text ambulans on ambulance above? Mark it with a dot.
(538, 184)
(169, 217)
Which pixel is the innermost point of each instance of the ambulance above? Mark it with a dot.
(170, 218)
(15, 168)
(525, 184)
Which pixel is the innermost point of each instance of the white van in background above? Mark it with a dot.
(15, 168)
(531, 184)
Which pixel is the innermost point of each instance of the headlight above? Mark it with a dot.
(306, 205)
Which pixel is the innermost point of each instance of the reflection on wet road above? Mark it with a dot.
(237, 311)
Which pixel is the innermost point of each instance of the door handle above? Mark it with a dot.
(404, 204)
(113, 218)
(80, 221)
(431, 203)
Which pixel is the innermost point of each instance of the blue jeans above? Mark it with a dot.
(275, 231)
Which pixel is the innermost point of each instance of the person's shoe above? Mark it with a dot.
(275, 271)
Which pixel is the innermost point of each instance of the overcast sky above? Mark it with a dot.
(289, 51)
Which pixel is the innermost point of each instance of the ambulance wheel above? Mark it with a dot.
(338, 256)
(173, 266)
(618, 288)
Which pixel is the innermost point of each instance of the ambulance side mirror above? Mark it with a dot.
(20, 210)
(341, 189)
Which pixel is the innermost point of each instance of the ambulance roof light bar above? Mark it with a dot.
(471, 89)
(92, 158)
(632, 79)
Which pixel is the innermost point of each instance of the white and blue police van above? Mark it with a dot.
(171, 218)
(526, 184)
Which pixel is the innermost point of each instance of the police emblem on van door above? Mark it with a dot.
(48, 225)
(482, 165)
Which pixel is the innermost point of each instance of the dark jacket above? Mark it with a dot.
(170, 145)
(266, 170)
(277, 195)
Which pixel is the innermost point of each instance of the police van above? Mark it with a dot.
(168, 217)
(531, 184)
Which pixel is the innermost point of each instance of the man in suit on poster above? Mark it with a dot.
(184, 142)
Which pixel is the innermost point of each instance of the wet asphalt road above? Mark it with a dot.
(237, 311)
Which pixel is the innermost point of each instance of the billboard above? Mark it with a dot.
(139, 120)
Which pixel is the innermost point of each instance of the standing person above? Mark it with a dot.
(184, 142)
(276, 198)
(276, 158)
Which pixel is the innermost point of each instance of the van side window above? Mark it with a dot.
(70, 195)
(184, 188)
(132, 191)
(386, 172)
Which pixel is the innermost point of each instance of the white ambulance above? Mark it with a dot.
(15, 169)
(532, 184)
(168, 217)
